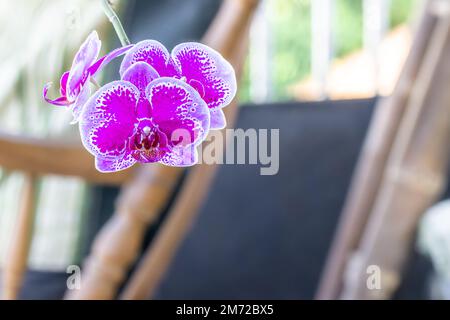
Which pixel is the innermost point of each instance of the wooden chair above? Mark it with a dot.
(145, 192)
(401, 171)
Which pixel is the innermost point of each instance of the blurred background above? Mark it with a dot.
(307, 50)
(357, 89)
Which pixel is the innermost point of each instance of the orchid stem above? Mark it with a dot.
(114, 19)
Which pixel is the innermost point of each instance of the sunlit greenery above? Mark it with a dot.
(401, 11)
(291, 37)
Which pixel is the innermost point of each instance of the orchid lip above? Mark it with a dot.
(148, 144)
(148, 137)
(146, 130)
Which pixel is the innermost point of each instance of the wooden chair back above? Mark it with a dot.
(401, 171)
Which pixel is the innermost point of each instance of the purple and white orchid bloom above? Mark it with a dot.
(201, 67)
(144, 118)
(74, 84)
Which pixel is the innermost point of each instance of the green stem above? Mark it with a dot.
(114, 19)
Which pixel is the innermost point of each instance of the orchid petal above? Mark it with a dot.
(84, 58)
(63, 83)
(181, 157)
(79, 103)
(201, 64)
(114, 164)
(89, 50)
(153, 53)
(78, 76)
(218, 120)
(103, 61)
(61, 101)
(178, 111)
(108, 120)
(141, 74)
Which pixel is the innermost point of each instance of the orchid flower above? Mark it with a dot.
(201, 67)
(74, 84)
(144, 118)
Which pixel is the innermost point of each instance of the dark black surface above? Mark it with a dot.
(44, 285)
(416, 274)
(170, 21)
(267, 236)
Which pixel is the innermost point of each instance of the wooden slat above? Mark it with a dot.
(42, 157)
(16, 261)
(376, 15)
(260, 55)
(119, 242)
(322, 17)
(414, 177)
